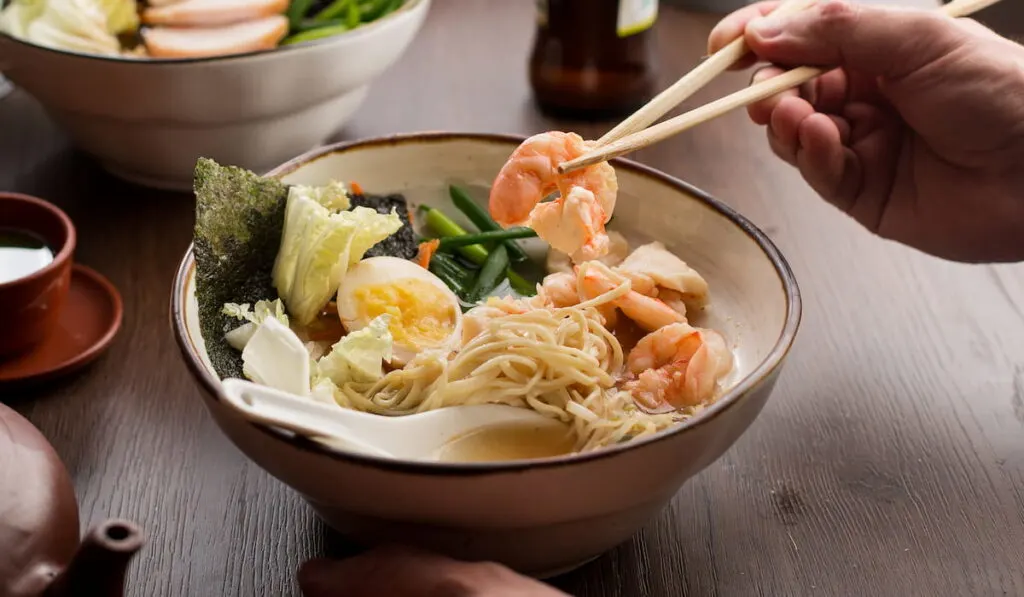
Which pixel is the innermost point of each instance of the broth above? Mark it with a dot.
(22, 253)
(627, 333)
(509, 442)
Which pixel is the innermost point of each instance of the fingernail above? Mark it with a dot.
(765, 27)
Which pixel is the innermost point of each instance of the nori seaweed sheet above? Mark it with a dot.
(400, 244)
(239, 219)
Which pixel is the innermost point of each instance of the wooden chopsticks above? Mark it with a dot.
(691, 82)
(626, 137)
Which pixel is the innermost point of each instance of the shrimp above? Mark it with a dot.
(618, 250)
(560, 290)
(531, 173)
(674, 300)
(647, 286)
(573, 224)
(652, 265)
(476, 320)
(677, 365)
(648, 312)
(641, 283)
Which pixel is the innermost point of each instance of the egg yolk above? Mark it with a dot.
(420, 312)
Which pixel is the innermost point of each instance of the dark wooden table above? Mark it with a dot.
(890, 460)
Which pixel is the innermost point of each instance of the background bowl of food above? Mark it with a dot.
(657, 352)
(148, 88)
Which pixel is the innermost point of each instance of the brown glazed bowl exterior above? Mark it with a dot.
(550, 515)
(30, 306)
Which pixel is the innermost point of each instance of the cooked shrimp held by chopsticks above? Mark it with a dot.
(574, 222)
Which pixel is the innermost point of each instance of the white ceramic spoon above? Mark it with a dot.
(411, 437)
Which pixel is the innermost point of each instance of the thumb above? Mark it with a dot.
(878, 41)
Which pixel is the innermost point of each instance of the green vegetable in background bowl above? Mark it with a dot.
(311, 19)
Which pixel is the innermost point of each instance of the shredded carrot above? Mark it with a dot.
(426, 252)
(358, 190)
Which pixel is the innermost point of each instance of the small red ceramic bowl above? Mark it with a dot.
(30, 302)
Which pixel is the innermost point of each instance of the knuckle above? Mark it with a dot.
(778, 148)
(933, 24)
(475, 579)
(838, 15)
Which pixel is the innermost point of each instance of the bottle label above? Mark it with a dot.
(542, 13)
(636, 16)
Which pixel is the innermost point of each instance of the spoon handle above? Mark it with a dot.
(261, 404)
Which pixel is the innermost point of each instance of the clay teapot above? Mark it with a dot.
(40, 551)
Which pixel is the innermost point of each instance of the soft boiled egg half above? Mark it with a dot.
(425, 313)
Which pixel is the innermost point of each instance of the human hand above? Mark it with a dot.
(918, 133)
(405, 572)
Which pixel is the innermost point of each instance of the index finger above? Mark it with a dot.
(733, 26)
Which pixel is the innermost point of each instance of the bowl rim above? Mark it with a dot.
(409, 7)
(765, 369)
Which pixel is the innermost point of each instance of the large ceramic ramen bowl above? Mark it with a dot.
(149, 120)
(546, 516)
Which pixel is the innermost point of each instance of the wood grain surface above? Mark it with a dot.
(890, 460)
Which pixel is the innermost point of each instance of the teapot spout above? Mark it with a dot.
(101, 562)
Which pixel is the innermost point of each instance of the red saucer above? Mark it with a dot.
(88, 323)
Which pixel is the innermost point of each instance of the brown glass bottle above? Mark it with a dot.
(589, 64)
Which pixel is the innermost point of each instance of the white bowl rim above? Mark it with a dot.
(406, 8)
(765, 369)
